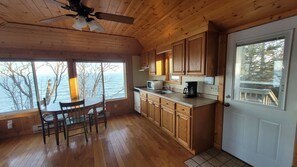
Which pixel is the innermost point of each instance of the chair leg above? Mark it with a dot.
(67, 136)
(64, 130)
(48, 130)
(86, 131)
(43, 134)
(90, 122)
(105, 120)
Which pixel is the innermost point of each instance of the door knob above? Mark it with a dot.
(228, 96)
(227, 104)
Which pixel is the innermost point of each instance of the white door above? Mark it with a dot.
(260, 123)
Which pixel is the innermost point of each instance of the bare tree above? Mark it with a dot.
(17, 82)
(59, 69)
(90, 77)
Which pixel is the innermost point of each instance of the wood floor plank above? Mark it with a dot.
(129, 140)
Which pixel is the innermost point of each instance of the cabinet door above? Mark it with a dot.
(157, 114)
(144, 59)
(151, 110)
(195, 55)
(183, 129)
(152, 63)
(143, 107)
(178, 58)
(167, 122)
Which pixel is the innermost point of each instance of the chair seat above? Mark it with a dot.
(72, 121)
(50, 118)
(98, 110)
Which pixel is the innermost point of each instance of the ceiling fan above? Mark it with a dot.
(84, 16)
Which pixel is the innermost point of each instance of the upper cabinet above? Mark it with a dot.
(196, 55)
(156, 62)
(152, 62)
(178, 59)
(144, 60)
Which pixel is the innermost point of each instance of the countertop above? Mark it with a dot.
(179, 98)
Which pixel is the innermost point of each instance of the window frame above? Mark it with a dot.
(288, 36)
(168, 80)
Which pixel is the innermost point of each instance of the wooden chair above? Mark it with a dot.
(101, 114)
(47, 120)
(76, 118)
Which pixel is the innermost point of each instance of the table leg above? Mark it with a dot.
(95, 118)
(56, 128)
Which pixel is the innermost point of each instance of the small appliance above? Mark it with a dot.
(155, 84)
(191, 89)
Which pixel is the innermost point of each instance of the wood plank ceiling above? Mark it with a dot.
(156, 21)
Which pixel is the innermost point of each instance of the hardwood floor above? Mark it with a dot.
(129, 140)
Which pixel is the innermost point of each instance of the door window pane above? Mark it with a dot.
(17, 87)
(114, 80)
(53, 82)
(259, 71)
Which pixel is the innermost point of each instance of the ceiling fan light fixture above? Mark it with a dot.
(80, 23)
(95, 26)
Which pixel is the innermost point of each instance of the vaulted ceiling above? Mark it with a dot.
(156, 21)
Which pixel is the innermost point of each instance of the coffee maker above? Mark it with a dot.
(191, 89)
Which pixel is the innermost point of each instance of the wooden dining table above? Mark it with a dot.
(55, 109)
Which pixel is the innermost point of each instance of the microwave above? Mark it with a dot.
(155, 84)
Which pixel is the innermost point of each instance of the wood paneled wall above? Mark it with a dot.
(20, 36)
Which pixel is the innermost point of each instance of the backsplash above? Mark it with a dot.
(206, 89)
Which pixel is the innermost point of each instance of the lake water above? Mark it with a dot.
(114, 88)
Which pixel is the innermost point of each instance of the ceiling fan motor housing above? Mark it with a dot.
(81, 9)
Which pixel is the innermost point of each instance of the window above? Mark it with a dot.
(91, 75)
(114, 80)
(16, 86)
(169, 69)
(260, 73)
(20, 89)
(53, 82)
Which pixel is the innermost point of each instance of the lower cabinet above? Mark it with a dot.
(143, 104)
(183, 123)
(192, 127)
(168, 120)
(151, 110)
(157, 114)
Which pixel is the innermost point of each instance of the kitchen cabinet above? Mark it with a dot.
(152, 62)
(178, 58)
(183, 121)
(144, 62)
(143, 104)
(195, 55)
(198, 55)
(154, 110)
(168, 116)
(191, 126)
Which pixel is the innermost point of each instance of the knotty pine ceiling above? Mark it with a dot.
(156, 21)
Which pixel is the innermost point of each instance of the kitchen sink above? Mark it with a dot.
(165, 92)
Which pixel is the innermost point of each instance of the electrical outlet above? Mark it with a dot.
(115, 106)
(9, 124)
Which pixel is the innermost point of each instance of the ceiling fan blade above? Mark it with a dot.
(57, 18)
(57, 2)
(113, 17)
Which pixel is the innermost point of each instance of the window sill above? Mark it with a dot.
(17, 114)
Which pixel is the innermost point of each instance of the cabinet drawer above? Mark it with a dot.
(183, 109)
(168, 104)
(153, 98)
(143, 95)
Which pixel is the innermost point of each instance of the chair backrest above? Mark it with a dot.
(41, 104)
(75, 111)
